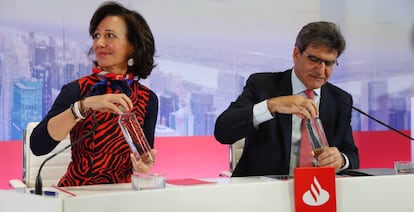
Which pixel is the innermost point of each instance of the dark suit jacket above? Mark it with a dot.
(267, 149)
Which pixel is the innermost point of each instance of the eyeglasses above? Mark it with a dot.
(318, 60)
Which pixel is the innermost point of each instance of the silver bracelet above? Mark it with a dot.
(77, 111)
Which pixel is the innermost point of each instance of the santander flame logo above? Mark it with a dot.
(316, 196)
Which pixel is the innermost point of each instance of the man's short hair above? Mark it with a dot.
(321, 34)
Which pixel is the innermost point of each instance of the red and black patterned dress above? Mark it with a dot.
(103, 157)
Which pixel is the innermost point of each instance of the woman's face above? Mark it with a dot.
(111, 46)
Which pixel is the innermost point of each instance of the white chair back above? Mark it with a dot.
(236, 150)
(53, 169)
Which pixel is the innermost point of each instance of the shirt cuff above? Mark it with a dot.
(261, 113)
(346, 165)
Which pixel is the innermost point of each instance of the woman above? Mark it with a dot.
(124, 49)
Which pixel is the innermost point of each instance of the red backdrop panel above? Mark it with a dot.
(194, 157)
(203, 156)
(379, 149)
(10, 162)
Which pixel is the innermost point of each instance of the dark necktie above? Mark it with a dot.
(305, 154)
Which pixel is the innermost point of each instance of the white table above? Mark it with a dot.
(379, 193)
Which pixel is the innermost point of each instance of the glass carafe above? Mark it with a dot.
(135, 137)
(316, 135)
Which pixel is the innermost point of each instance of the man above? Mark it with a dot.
(269, 111)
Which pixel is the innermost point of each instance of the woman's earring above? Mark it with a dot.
(130, 61)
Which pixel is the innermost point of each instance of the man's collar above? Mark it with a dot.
(298, 87)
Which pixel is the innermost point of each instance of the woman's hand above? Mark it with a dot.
(108, 103)
(138, 161)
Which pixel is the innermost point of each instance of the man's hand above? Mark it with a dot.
(294, 104)
(330, 156)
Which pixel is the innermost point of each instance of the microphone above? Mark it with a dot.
(378, 121)
(357, 172)
(38, 181)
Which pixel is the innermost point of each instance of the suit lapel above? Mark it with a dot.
(323, 104)
(285, 120)
(326, 107)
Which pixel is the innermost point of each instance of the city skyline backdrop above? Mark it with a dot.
(205, 52)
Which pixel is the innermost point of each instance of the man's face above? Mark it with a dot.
(314, 66)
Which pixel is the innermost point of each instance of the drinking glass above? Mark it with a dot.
(135, 137)
(316, 135)
(147, 181)
(403, 167)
